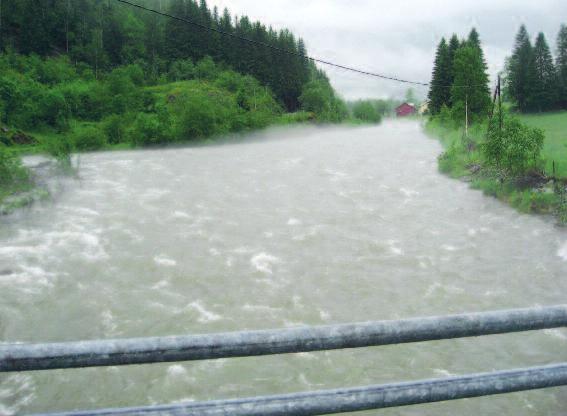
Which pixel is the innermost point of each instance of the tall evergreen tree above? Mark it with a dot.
(470, 89)
(439, 92)
(454, 45)
(562, 64)
(521, 72)
(545, 86)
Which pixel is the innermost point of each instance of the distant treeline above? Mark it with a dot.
(533, 81)
(105, 34)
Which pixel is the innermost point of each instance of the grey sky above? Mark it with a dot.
(399, 37)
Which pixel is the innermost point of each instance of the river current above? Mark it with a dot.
(304, 226)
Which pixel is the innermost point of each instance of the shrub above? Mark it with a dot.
(181, 70)
(149, 129)
(365, 111)
(88, 138)
(114, 129)
(202, 114)
(206, 69)
(516, 149)
(60, 149)
(12, 174)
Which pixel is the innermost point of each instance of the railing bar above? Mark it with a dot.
(361, 398)
(29, 357)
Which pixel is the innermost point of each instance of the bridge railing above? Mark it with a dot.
(33, 357)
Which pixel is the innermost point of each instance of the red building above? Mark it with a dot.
(405, 110)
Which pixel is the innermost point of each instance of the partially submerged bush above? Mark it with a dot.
(12, 174)
(89, 138)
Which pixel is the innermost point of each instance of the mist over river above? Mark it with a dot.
(304, 226)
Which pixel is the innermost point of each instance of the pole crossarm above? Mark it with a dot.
(30, 357)
(361, 398)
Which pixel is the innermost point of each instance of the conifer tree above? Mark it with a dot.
(521, 72)
(562, 64)
(470, 88)
(545, 86)
(454, 45)
(441, 79)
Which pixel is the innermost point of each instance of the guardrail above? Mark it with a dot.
(32, 357)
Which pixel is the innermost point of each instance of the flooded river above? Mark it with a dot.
(292, 227)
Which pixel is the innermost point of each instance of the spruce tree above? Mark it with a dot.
(545, 86)
(470, 88)
(562, 64)
(441, 79)
(521, 72)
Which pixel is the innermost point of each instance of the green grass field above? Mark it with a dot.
(555, 149)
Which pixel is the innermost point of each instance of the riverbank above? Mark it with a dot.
(533, 192)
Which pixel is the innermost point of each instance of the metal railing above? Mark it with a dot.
(32, 357)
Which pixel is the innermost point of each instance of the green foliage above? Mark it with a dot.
(114, 128)
(201, 114)
(150, 130)
(60, 148)
(470, 84)
(516, 149)
(12, 174)
(319, 98)
(365, 111)
(87, 138)
(181, 70)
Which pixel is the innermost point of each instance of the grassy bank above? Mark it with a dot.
(555, 148)
(530, 192)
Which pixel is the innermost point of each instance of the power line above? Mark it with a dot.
(255, 42)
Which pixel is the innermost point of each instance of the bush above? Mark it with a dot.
(60, 149)
(89, 138)
(516, 149)
(206, 69)
(12, 174)
(114, 129)
(85, 99)
(203, 114)
(181, 70)
(365, 111)
(149, 129)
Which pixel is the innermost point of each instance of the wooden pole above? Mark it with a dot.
(500, 102)
(467, 115)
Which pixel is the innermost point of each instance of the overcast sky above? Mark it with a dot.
(399, 37)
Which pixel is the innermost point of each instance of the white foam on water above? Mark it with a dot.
(556, 333)
(108, 321)
(562, 252)
(448, 247)
(176, 370)
(443, 372)
(408, 192)
(180, 214)
(28, 275)
(260, 308)
(264, 262)
(165, 261)
(324, 315)
(453, 290)
(204, 314)
(293, 221)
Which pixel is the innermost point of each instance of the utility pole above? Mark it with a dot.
(467, 115)
(500, 103)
